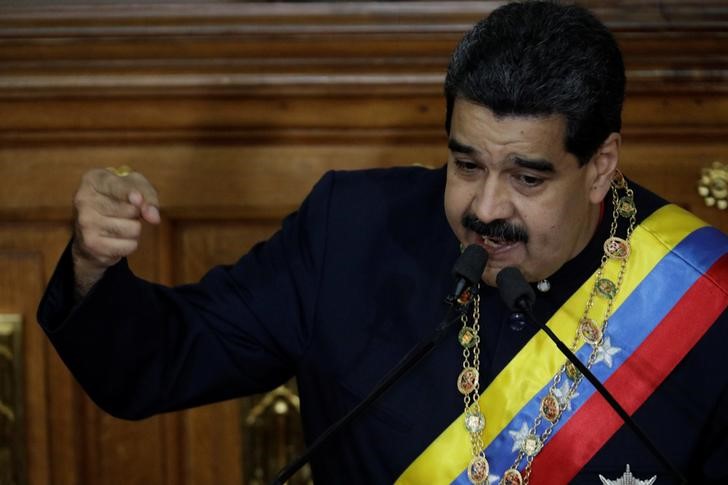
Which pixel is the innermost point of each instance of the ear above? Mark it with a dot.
(602, 167)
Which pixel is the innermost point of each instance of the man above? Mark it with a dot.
(638, 289)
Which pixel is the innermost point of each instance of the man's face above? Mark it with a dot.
(513, 189)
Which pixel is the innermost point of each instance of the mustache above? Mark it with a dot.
(497, 229)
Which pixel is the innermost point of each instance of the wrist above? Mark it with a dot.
(86, 271)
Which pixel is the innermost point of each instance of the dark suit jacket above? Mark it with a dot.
(348, 285)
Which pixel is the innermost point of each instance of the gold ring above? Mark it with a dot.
(121, 170)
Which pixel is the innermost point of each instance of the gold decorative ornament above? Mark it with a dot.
(571, 371)
(590, 331)
(512, 477)
(713, 185)
(478, 470)
(467, 337)
(13, 464)
(121, 170)
(550, 407)
(591, 328)
(467, 380)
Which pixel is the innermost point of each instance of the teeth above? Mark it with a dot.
(493, 242)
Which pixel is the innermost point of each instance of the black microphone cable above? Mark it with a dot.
(467, 270)
(518, 295)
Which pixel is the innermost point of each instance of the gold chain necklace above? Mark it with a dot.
(615, 249)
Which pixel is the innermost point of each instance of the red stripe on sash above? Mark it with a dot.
(638, 377)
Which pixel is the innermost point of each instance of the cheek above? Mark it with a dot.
(551, 220)
(554, 238)
(456, 205)
(543, 233)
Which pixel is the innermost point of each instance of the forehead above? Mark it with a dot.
(477, 127)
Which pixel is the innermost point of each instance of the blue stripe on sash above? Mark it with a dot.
(648, 304)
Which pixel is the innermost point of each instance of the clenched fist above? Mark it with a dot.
(109, 208)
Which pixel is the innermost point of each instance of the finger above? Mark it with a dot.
(151, 214)
(147, 211)
(92, 204)
(102, 182)
(94, 233)
(108, 207)
(113, 227)
(118, 248)
(107, 250)
(143, 187)
(133, 188)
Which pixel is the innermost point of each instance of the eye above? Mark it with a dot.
(466, 166)
(528, 180)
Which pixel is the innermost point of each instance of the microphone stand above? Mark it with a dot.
(413, 357)
(524, 306)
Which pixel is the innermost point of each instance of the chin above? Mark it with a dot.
(491, 273)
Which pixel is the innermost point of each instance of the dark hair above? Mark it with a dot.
(541, 58)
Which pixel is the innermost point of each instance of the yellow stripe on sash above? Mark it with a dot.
(447, 456)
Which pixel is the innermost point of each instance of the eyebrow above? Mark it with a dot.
(456, 146)
(538, 164)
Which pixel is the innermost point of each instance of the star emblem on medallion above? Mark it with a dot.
(562, 394)
(519, 436)
(605, 352)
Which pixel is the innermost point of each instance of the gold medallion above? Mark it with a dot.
(626, 207)
(467, 337)
(478, 470)
(512, 477)
(616, 248)
(571, 371)
(467, 380)
(606, 288)
(474, 420)
(531, 445)
(550, 407)
(590, 331)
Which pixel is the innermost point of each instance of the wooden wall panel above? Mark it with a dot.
(234, 110)
(200, 180)
(212, 445)
(70, 441)
(27, 252)
(21, 276)
(672, 169)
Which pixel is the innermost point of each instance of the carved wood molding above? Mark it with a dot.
(313, 73)
(316, 48)
(306, 73)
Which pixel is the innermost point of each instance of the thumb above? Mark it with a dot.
(150, 213)
(148, 209)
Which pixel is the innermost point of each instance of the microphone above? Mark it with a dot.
(468, 268)
(467, 271)
(519, 296)
(514, 290)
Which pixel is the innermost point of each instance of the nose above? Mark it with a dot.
(493, 201)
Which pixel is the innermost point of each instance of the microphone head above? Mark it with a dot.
(471, 264)
(514, 289)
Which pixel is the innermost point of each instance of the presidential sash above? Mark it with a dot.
(676, 268)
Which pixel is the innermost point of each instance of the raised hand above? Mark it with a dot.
(110, 206)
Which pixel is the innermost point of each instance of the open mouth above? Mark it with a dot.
(494, 244)
(498, 237)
